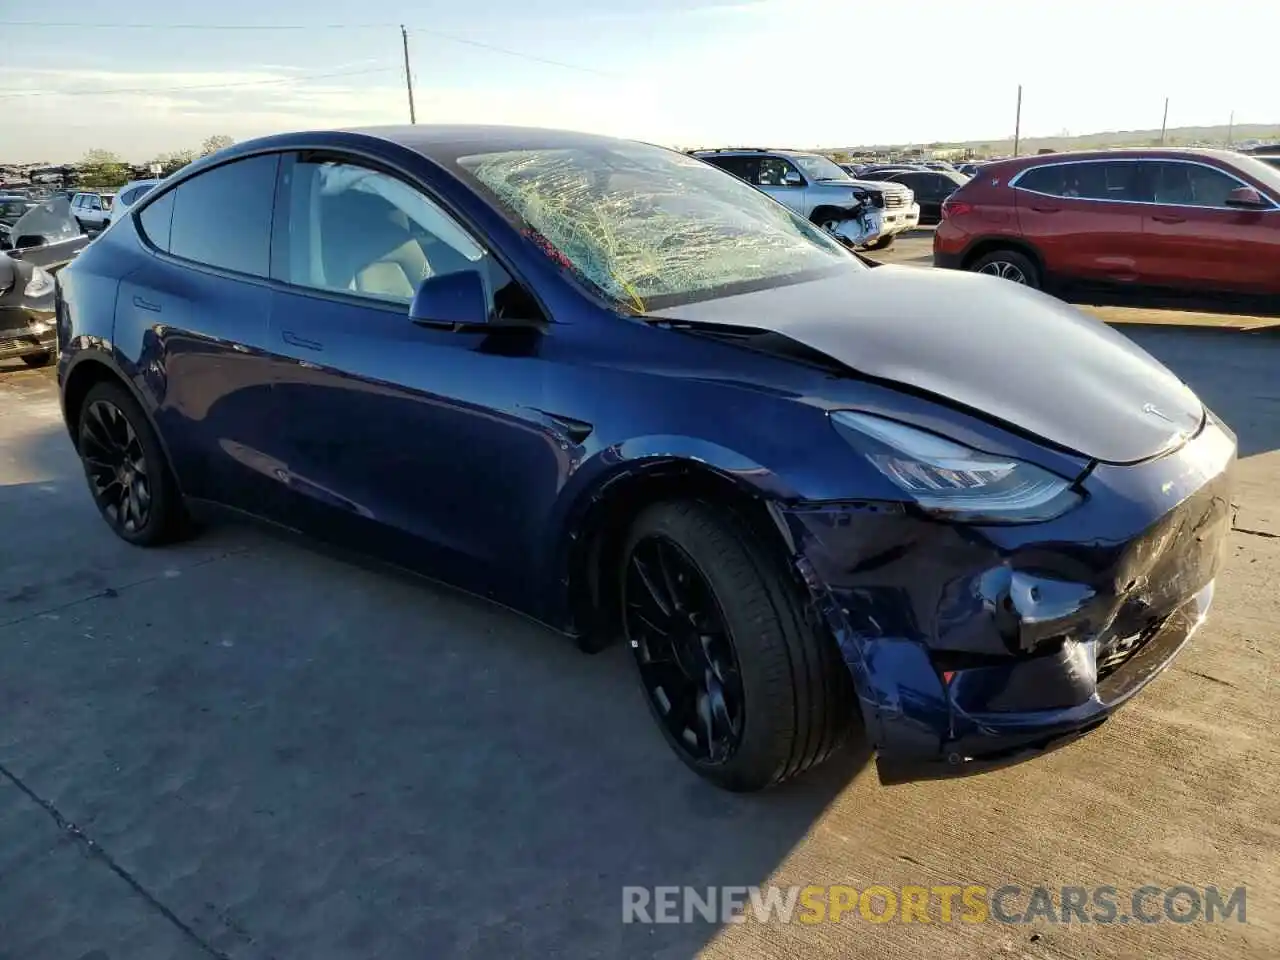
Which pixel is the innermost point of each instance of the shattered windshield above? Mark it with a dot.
(817, 167)
(51, 221)
(650, 227)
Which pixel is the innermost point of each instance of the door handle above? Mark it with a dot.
(1038, 208)
(1168, 218)
(294, 340)
(142, 303)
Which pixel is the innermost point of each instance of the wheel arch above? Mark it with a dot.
(981, 248)
(596, 534)
(89, 367)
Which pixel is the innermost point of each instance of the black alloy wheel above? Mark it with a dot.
(128, 475)
(746, 687)
(687, 660)
(116, 465)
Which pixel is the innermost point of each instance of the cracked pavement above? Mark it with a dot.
(244, 748)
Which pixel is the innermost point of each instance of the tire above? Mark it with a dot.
(80, 224)
(111, 418)
(1008, 265)
(38, 359)
(884, 243)
(783, 680)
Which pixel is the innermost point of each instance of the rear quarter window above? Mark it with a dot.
(156, 220)
(222, 218)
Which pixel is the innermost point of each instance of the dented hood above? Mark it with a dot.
(1019, 356)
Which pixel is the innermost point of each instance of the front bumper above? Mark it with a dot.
(899, 219)
(27, 328)
(974, 647)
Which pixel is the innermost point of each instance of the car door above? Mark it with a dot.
(193, 319)
(782, 180)
(1193, 239)
(426, 445)
(1085, 217)
(925, 189)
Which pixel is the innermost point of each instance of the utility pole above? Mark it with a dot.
(1017, 123)
(1231, 127)
(1165, 122)
(408, 77)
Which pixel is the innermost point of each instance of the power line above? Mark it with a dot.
(93, 91)
(453, 38)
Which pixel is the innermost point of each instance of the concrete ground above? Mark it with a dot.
(242, 748)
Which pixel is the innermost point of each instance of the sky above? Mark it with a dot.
(678, 72)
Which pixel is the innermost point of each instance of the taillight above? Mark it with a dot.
(955, 208)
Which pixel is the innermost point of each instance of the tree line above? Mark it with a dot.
(103, 168)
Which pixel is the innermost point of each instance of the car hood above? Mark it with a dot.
(1016, 355)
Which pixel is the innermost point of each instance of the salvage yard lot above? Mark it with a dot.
(243, 748)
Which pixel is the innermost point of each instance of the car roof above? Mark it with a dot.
(1127, 153)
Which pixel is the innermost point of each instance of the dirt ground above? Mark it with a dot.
(243, 748)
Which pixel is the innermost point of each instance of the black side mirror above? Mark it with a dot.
(451, 300)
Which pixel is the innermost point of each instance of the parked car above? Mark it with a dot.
(1206, 220)
(131, 193)
(930, 187)
(610, 386)
(92, 210)
(41, 232)
(819, 189)
(1269, 158)
(26, 312)
(969, 169)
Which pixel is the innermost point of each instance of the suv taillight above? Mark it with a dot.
(955, 208)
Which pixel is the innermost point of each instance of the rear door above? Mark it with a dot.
(1193, 239)
(193, 320)
(1085, 217)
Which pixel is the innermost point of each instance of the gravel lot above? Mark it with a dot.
(243, 748)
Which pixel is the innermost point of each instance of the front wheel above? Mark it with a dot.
(38, 359)
(745, 689)
(1008, 265)
(884, 243)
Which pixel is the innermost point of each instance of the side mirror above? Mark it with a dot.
(1246, 198)
(451, 300)
(792, 179)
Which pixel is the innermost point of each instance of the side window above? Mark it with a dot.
(773, 171)
(157, 220)
(222, 218)
(1048, 180)
(744, 167)
(127, 197)
(1191, 185)
(351, 229)
(1104, 181)
(95, 203)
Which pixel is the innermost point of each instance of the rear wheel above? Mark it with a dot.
(1008, 265)
(746, 691)
(128, 475)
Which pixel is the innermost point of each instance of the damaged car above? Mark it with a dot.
(43, 233)
(626, 393)
(859, 215)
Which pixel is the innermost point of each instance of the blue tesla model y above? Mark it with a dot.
(618, 389)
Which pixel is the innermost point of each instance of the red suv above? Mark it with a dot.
(1200, 219)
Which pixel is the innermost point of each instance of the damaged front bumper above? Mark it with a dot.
(975, 647)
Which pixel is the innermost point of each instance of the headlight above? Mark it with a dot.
(947, 478)
(39, 284)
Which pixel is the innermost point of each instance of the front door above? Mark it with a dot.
(421, 444)
(1194, 240)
